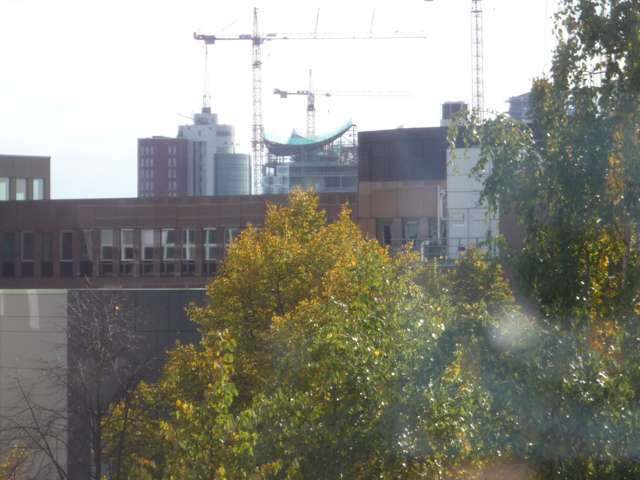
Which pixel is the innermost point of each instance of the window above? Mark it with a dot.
(66, 246)
(383, 231)
(26, 254)
(188, 251)
(126, 245)
(66, 254)
(386, 235)
(21, 188)
(8, 254)
(4, 189)
(86, 253)
(409, 230)
(230, 235)
(188, 244)
(169, 251)
(168, 243)
(106, 245)
(26, 250)
(210, 244)
(37, 189)
(46, 255)
(147, 245)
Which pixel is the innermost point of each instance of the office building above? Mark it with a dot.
(208, 138)
(162, 167)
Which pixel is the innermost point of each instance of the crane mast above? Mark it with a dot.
(477, 59)
(258, 127)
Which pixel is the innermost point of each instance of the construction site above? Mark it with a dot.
(326, 161)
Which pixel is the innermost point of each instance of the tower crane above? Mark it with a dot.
(311, 95)
(257, 39)
(477, 59)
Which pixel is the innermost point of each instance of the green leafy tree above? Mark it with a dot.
(321, 358)
(572, 180)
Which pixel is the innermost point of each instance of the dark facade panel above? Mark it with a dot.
(403, 155)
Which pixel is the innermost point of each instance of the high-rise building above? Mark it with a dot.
(162, 167)
(209, 138)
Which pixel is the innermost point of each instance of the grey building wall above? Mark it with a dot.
(37, 336)
(32, 341)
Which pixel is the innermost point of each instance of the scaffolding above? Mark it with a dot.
(327, 163)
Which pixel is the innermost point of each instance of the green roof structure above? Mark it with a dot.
(298, 144)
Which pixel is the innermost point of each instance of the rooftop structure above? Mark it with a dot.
(327, 163)
(25, 177)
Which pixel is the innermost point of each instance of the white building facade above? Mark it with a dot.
(469, 224)
(208, 138)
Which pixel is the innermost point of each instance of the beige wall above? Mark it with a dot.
(32, 339)
(396, 201)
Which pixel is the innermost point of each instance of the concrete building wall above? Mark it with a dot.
(33, 340)
(468, 222)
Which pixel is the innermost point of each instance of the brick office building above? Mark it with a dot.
(162, 167)
(127, 243)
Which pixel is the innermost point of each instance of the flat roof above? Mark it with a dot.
(7, 155)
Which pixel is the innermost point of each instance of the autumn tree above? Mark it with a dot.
(320, 358)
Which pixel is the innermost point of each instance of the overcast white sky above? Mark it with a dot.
(81, 80)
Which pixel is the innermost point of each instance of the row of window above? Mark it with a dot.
(17, 190)
(410, 230)
(145, 243)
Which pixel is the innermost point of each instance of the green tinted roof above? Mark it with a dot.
(298, 143)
